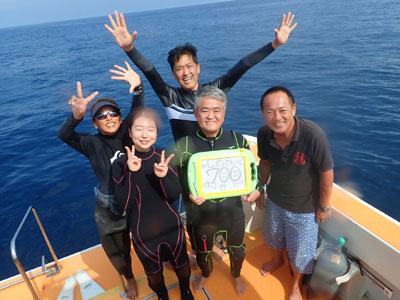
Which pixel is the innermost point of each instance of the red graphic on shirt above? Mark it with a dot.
(299, 158)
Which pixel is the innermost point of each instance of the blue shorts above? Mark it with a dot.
(298, 232)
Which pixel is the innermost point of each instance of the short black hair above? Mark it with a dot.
(275, 89)
(175, 54)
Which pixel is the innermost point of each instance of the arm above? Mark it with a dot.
(264, 169)
(323, 162)
(254, 195)
(171, 185)
(67, 132)
(323, 211)
(130, 76)
(123, 172)
(124, 189)
(227, 81)
(125, 40)
(168, 177)
(150, 72)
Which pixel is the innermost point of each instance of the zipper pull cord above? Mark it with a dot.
(204, 238)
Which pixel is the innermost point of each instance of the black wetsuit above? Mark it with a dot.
(178, 102)
(101, 150)
(214, 216)
(157, 229)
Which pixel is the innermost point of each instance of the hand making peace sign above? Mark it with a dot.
(134, 162)
(79, 103)
(161, 168)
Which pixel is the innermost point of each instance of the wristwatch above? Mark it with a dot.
(138, 90)
(324, 209)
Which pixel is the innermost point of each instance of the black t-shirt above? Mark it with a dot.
(294, 184)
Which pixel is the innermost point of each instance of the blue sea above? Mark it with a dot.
(342, 64)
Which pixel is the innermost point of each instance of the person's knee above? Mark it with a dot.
(155, 279)
(237, 253)
(204, 260)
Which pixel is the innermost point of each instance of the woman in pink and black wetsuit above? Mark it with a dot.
(145, 189)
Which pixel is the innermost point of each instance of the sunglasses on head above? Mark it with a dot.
(103, 115)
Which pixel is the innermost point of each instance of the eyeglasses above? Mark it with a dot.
(103, 115)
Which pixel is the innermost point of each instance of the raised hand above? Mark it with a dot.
(197, 200)
(253, 196)
(120, 32)
(128, 75)
(134, 162)
(161, 168)
(79, 103)
(282, 34)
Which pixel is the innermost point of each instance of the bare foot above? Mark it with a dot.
(240, 286)
(192, 260)
(217, 253)
(295, 294)
(270, 266)
(198, 283)
(131, 289)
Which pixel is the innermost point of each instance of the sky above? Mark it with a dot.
(27, 12)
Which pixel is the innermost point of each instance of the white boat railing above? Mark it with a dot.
(54, 269)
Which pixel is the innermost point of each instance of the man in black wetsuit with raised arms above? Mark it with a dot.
(178, 102)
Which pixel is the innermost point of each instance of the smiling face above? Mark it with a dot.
(186, 72)
(110, 124)
(144, 133)
(210, 114)
(279, 112)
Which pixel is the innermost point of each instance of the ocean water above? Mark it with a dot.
(342, 64)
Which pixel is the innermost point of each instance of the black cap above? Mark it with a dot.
(98, 105)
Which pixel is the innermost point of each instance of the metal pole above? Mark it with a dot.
(46, 238)
(17, 261)
(26, 279)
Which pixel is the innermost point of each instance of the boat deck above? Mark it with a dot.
(220, 285)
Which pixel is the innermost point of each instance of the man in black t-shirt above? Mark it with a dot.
(296, 154)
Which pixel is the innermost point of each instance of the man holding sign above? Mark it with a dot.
(209, 217)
